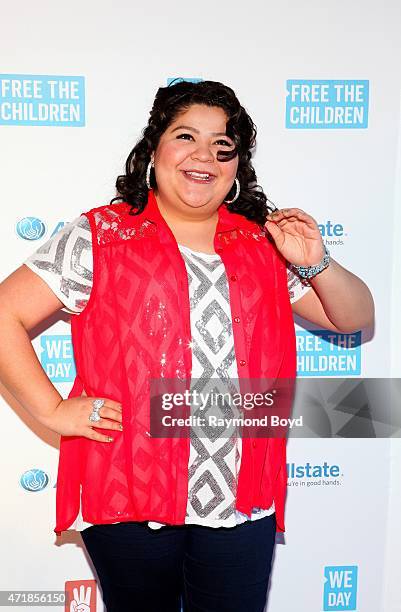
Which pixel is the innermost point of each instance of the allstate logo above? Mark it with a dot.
(333, 234)
(309, 470)
(34, 480)
(30, 228)
(310, 476)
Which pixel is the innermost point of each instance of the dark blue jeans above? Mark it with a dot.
(212, 569)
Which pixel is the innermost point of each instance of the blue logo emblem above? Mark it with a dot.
(327, 104)
(332, 233)
(308, 470)
(34, 480)
(174, 80)
(57, 357)
(326, 353)
(340, 587)
(331, 229)
(30, 228)
(38, 99)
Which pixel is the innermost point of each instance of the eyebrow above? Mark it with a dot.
(187, 127)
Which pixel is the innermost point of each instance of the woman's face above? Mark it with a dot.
(185, 161)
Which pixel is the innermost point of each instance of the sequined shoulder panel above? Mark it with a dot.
(114, 223)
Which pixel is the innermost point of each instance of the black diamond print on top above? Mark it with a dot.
(214, 454)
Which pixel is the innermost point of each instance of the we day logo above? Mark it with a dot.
(340, 587)
(57, 357)
(80, 596)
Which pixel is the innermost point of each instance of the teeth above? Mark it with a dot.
(198, 175)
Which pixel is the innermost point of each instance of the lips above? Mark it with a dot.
(198, 176)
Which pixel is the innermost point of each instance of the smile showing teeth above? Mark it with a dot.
(201, 176)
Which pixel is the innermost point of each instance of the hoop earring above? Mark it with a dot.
(237, 192)
(148, 169)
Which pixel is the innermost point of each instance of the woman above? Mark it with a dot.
(187, 274)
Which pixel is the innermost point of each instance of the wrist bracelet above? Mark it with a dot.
(311, 271)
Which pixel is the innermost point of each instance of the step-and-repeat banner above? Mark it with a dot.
(322, 84)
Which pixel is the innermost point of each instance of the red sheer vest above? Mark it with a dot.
(136, 325)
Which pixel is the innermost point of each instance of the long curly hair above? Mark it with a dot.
(170, 101)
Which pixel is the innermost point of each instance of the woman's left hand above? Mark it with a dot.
(296, 236)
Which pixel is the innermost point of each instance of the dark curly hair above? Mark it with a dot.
(168, 103)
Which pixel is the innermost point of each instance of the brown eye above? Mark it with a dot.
(225, 143)
(184, 136)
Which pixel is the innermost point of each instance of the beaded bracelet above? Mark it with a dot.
(311, 271)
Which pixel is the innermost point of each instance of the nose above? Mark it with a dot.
(202, 153)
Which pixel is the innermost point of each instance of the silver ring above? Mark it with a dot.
(94, 416)
(97, 403)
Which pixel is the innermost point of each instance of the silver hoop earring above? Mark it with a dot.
(148, 169)
(237, 191)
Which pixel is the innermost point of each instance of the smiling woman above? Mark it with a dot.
(191, 181)
(199, 127)
(193, 151)
(183, 277)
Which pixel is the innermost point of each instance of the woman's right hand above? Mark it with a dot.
(71, 418)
